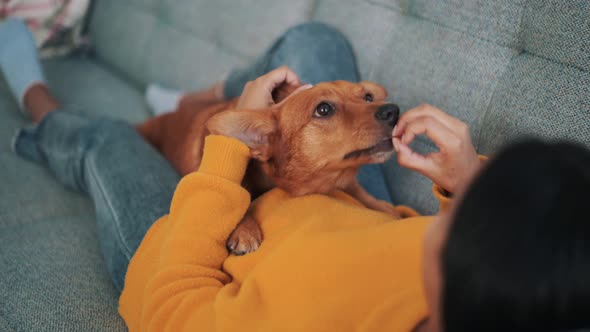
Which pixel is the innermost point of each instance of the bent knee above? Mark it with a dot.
(315, 33)
(317, 53)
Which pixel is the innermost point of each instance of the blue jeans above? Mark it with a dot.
(130, 183)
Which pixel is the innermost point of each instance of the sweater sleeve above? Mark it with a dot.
(206, 207)
(443, 197)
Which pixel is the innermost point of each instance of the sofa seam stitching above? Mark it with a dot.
(437, 23)
(519, 51)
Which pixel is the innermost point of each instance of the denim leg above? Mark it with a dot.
(130, 183)
(317, 53)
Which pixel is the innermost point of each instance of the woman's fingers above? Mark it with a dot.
(298, 90)
(258, 93)
(427, 110)
(277, 77)
(456, 158)
(412, 160)
(434, 129)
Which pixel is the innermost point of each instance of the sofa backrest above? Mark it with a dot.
(509, 68)
(188, 43)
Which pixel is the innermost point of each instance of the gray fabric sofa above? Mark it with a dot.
(509, 68)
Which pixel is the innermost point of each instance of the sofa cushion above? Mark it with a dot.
(541, 98)
(558, 30)
(188, 44)
(53, 278)
(497, 21)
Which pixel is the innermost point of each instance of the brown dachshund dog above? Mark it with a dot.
(311, 143)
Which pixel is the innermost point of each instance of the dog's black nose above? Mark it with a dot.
(387, 114)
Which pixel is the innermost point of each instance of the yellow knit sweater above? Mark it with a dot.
(326, 263)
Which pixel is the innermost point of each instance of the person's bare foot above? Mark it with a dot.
(38, 101)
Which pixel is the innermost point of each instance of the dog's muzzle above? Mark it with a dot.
(384, 146)
(387, 115)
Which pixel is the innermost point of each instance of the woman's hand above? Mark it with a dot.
(252, 122)
(454, 163)
(258, 93)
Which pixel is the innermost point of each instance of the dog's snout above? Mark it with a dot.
(387, 114)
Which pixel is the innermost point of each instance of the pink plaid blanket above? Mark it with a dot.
(56, 24)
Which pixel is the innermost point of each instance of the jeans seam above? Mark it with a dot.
(112, 212)
(14, 140)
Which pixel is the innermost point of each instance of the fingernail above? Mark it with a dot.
(396, 144)
(308, 86)
(394, 132)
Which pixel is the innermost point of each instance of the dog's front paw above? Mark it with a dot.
(246, 238)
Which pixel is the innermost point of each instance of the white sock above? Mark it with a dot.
(162, 100)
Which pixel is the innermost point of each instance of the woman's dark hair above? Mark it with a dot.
(517, 256)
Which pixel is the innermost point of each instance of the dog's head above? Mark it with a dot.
(316, 135)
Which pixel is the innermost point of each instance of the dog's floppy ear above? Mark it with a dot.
(253, 127)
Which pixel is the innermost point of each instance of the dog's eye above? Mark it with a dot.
(369, 98)
(323, 110)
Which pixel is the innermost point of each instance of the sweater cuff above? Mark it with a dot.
(444, 197)
(225, 157)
